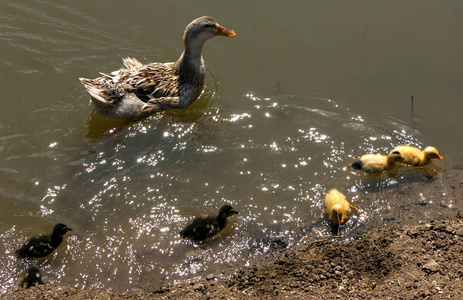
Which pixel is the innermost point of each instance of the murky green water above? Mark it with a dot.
(303, 89)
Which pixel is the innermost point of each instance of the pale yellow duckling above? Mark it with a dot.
(377, 163)
(337, 208)
(415, 157)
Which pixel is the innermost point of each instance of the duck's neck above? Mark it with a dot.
(222, 220)
(390, 163)
(190, 65)
(191, 55)
(191, 72)
(425, 160)
(56, 239)
(193, 48)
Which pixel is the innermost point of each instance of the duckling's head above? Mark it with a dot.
(395, 156)
(60, 229)
(227, 211)
(339, 213)
(202, 29)
(431, 152)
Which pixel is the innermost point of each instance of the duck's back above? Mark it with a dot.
(335, 197)
(411, 155)
(36, 247)
(373, 163)
(149, 81)
(201, 229)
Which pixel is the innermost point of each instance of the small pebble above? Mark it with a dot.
(432, 266)
(137, 291)
(210, 276)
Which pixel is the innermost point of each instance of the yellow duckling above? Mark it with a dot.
(377, 163)
(337, 208)
(415, 157)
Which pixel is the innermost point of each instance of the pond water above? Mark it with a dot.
(303, 89)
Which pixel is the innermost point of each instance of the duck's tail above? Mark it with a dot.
(22, 252)
(102, 98)
(99, 96)
(357, 165)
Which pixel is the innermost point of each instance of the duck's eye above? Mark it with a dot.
(208, 25)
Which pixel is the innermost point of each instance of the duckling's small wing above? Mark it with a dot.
(189, 231)
(36, 247)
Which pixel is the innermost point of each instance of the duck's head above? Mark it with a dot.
(227, 211)
(431, 152)
(61, 229)
(395, 156)
(340, 213)
(202, 29)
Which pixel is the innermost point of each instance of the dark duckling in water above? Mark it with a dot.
(32, 278)
(204, 228)
(43, 245)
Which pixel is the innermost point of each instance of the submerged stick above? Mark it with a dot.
(412, 108)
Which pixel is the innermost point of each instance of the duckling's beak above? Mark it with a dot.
(233, 212)
(439, 157)
(224, 31)
(69, 229)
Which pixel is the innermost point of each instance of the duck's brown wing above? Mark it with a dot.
(150, 81)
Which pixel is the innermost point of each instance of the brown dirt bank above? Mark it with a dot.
(412, 262)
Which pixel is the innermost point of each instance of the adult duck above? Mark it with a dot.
(138, 90)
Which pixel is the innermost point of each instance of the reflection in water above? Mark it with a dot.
(98, 127)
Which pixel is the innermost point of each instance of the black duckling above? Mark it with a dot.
(32, 278)
(204, 228)
(43, 245)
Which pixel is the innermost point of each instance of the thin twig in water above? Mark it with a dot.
(365, 29)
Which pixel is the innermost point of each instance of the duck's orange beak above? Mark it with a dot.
(440, 157)
(224, 31)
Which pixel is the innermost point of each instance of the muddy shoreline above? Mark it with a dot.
(409, 262)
